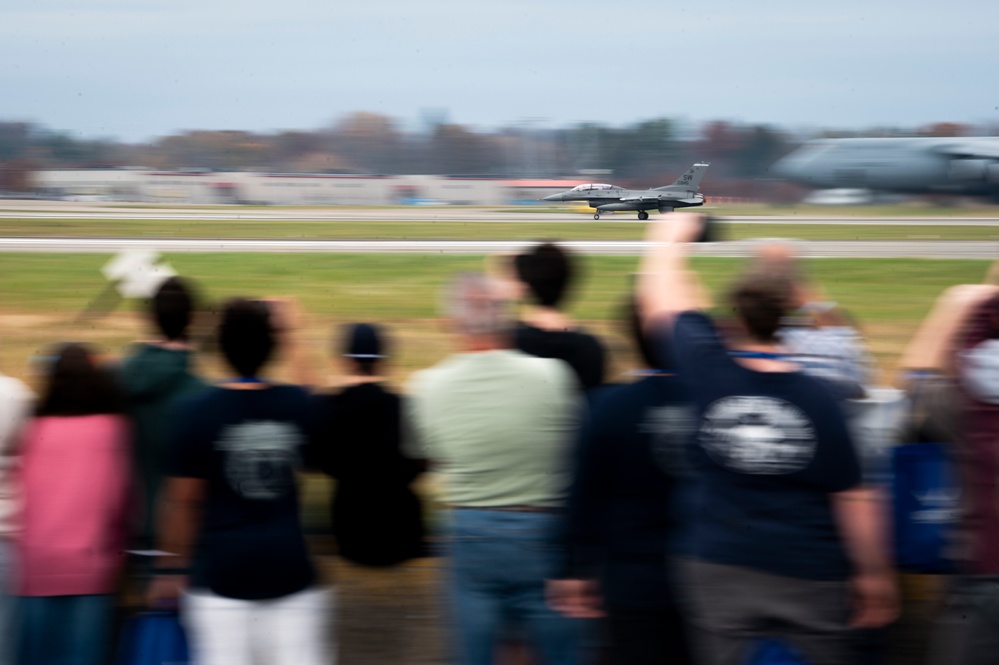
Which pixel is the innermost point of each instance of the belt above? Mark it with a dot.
(508, 509)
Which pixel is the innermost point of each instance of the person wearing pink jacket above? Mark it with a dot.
(75, 487)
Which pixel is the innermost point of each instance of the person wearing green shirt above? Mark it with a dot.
(496, 423)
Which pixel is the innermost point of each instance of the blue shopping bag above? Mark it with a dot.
(153, 638)
(769, 651)
(926, 507)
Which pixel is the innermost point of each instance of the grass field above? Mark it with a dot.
(43, 294)
(379, 230)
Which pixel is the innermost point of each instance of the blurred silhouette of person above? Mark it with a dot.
(496, 423)
(548, 272)
(966, 633)
(75, 487)
(155, 374)
(377, 519)
(231, 519)
(15, 408)
(622, 513)
(786, 541)
(817, 334)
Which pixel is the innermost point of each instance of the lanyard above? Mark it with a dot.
(245, 379)
(761, 355)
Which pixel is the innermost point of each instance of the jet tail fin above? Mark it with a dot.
(691, 180)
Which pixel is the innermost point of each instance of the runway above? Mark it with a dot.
(915, 249)
(43, 210)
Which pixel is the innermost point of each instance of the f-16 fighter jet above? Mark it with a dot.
(607, 198)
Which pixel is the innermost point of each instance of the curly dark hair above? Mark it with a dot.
(246, 336)
(78, 386)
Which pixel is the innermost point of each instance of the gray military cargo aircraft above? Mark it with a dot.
(607, 198)
(961, 166)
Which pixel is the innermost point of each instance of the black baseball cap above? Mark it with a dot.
(363, 341)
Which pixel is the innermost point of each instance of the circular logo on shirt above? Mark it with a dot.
(758, 435)
(259, 458)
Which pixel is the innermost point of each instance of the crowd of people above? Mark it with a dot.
(726, 503)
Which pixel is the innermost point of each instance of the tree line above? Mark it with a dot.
(646, 153)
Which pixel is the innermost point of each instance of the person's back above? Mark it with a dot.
(75, 484)
(623, 519)
(494, 422)
(377, 518)
(979, 438)
(785, 537)
(357, 440)
(965, 627)
(75, 480)
(583, 352)
(232, 512)
(155, 376)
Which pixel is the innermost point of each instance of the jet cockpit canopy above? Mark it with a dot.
(591, 186)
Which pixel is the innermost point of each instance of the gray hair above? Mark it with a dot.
(476, 306)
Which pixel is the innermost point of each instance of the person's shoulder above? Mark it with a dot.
(367, 394)
(135, 352)
(522, 330)
(607, 396)
(289, 392)
(809, 391)
(138, 354)
(694, 319)
(208, 395)
(425, 379)
(648, 390)
(546, 369)
(585, 338)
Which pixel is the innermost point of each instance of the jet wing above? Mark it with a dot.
(978, 148)
(646, 198)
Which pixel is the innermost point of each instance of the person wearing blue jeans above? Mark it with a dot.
(496, 423)
(488, 593)
(82, 635)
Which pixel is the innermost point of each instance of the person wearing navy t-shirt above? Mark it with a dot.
(785, 543)
(623, 514)
(231, 524)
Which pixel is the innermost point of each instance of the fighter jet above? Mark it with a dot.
(606, 198)
(961, 166)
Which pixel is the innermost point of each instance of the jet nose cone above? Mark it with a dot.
(553, 197)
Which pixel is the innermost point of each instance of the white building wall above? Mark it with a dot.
(273, 189)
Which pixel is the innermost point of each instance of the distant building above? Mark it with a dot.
(208, 187)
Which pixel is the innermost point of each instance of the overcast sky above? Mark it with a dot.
(135, 69)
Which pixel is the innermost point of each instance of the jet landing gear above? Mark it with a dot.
(642, 215)
(596, 215)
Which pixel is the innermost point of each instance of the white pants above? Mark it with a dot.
(292, 630)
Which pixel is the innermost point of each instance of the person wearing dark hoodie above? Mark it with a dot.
(154, 376)
(377, 518)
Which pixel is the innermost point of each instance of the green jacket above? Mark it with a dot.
(154, 379)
